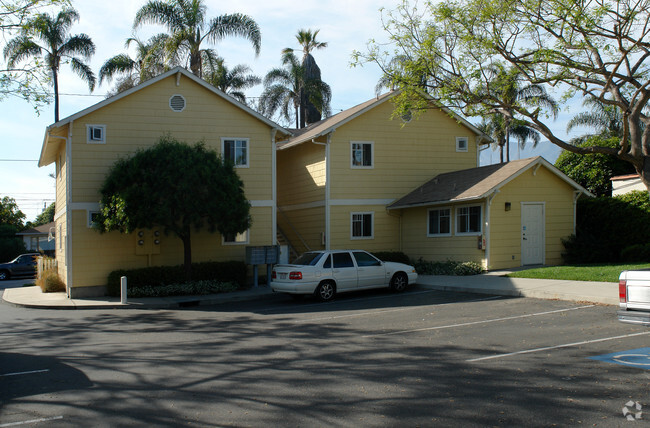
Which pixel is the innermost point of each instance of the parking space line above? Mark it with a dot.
(24, 373)
(33, 421)
(566, 345)
(479, 322)
(379, 312)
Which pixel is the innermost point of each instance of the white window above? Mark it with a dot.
(468, 220)
(362, 154)
(439, 222)
(362, 225)
(235, 150)
(462, 144)
(96, 134)
(92, 218)
(235, 239)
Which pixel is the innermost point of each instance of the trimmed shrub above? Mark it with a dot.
(392, 256)
(223, 272)
(605, 226)
(639, 253)
(449, 267)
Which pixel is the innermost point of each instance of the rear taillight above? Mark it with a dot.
(622, 291)
(273, 275)
(295, 275)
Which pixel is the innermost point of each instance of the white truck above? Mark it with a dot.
(634, 297)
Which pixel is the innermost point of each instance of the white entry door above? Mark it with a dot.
(532, 233)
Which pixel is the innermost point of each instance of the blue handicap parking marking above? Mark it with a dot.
(639, 358)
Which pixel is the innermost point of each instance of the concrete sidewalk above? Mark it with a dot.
(491, 283)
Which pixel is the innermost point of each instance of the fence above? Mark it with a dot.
(45, 264)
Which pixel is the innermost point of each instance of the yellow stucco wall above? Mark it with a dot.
(138, 121)
(504, 229)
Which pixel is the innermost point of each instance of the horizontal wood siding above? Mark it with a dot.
(386, 229)
(505, 236)
(139, 120)
(301, 174)
(309, 223)
(405, 154)
(417, 244)
(95, 255)
(59, 251)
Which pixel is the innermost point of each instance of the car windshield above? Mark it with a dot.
(308, 259)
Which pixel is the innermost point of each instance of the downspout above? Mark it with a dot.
(488, 206)
(327, 187)
(576, 196)
(274, 188)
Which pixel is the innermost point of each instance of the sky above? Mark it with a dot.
(346, 25)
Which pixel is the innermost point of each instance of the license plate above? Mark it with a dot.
(283, 275)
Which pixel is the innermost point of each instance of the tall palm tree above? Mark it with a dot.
(603, 118)
(313, 102)
(56, 46)
(231, 81)
(188, 28)
(511, 94)
(282, 88)
(148, 63)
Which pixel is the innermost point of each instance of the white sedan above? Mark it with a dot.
(325, 273)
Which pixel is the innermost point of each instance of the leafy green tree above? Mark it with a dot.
(10, 244)
(56, 46)
(28, 81)
(177, 187)
(10, 213)
(231, 81)
(188, 28)
(47, 216)
(595, 49)
(148, 63)
(594, 172)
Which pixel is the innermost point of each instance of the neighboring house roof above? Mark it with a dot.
(48, 152)
(475, 183)
(43, 229)
(625, 177)
(331, 123)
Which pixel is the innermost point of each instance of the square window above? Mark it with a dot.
(233, 239)
(468, 220)
(439, 222)
(362, 155)
(362, 227)
(462, 144)
(235, 151)
(96, 134)
(92, 218)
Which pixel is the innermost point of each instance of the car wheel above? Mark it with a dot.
(399, 282)
(325, 291)
(4, 275)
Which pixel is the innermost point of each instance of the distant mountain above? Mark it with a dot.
(545, 149)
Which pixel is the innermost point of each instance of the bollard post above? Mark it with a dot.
(123, 289)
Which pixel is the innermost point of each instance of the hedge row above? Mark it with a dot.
(232, 271)
(610, 230)
(393, 256)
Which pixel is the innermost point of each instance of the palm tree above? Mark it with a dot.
(282, 88)
(186, 22)
(149, 62)
(315, 95)
(57, 46)
(511, 95)
(603, 118)
(231, 81)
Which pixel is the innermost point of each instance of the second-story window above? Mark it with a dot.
(96, 134)
(236, 151)
(362, 154)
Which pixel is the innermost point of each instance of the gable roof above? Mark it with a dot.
(46, 156)
(43, 229)
(475, 183)
(331, 123)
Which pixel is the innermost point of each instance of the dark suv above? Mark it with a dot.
(23, 265)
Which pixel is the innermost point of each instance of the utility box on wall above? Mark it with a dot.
(147, 242)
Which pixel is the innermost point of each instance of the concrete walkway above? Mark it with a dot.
(491, 283)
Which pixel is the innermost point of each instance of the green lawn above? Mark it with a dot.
(602, 272)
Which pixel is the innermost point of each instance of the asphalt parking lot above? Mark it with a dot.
(421, 358)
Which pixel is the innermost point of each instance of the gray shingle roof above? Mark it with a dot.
(472, 184)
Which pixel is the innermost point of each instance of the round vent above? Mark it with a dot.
(177, 103)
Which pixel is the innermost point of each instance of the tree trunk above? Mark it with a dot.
(55, 80)
(187, 254)
(508, 144)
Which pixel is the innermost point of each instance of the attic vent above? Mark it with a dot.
(177, 103)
